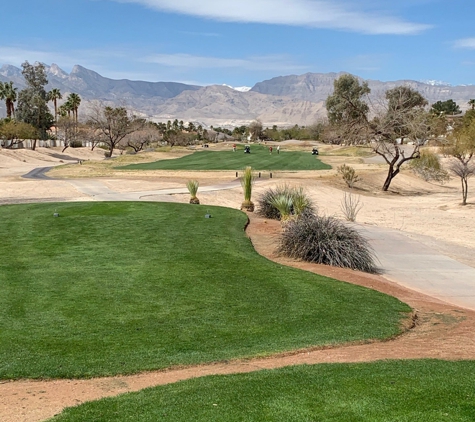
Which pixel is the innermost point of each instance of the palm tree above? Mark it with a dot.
(74, 101)
(472, 104)
(55, 95)
(191, 127)
(9, 94)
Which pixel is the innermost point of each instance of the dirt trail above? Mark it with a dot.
(441, 331)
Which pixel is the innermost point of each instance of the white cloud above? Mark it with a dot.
(16, 55)
(259, 63)
(465, 43)
(334, 14)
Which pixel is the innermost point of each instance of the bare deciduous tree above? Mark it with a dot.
(113, 124)
(143, 137)
(67, 130)
(255, 129)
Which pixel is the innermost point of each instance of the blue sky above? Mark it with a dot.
(246, 41)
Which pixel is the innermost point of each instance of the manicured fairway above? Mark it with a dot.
(112, 288)
(402, 391)
(259, 159)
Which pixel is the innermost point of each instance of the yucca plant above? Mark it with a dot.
(284, 204)
(247, 181)
(193, 186)
(264, 202)
(300, 202)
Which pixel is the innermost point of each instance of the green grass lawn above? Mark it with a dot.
(402, 391)
(111, 288)
(258, 159)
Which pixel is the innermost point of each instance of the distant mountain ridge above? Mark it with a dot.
(317, 86)
(283, 100)
(91, 85)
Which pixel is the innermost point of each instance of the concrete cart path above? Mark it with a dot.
(420, 267)
(100, 192)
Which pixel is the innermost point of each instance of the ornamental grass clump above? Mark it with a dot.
(247, 181)
(272, 199)
(283, 203)
(193, 186)
(326, 240)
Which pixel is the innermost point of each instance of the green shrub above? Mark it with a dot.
(268, 202)
(283, 203)
(75, 144)
(428, 167)
(349, 175)
(326, 240)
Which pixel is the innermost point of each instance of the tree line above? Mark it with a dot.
(112, 127)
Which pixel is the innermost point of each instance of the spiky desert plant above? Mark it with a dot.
(193, 186)
(247, 181)
(264, 202)
(326, 240)
(300, 201)
(284, 204)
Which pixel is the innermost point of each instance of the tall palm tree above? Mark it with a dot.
(9, 94)
(55, 95)
(74, 101)
(472, 103)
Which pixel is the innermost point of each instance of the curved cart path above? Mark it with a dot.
(441, 331)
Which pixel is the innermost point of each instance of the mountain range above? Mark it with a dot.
(283, 100)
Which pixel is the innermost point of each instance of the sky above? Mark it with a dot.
(242, 42)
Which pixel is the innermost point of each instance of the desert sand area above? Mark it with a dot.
(426, 212)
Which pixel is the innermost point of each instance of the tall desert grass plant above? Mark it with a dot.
(192, 186)
(247, 181)
(326, 240)
(270, 202)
